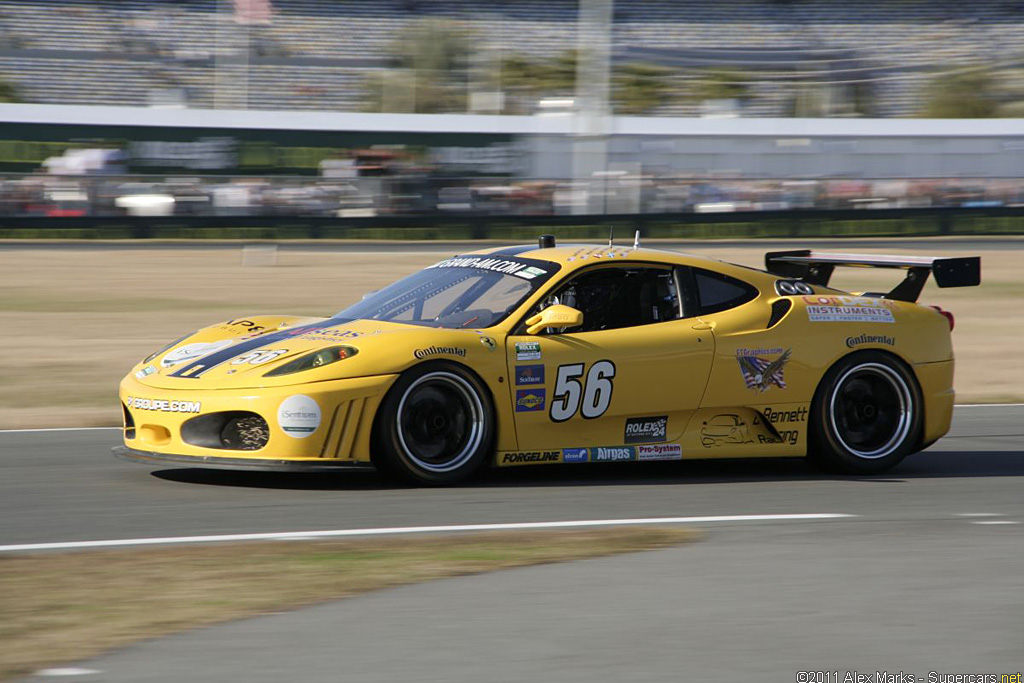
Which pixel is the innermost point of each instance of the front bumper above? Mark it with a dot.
(338, 433)
(236, 463)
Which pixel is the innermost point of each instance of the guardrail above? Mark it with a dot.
(916, 222)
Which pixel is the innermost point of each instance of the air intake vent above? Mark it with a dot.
(779, 310)
(234, 431)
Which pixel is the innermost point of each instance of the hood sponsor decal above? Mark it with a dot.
(194, 351)
(438, 351)
(247, 325)
(869, 339)
(330, 334)
(163, 405)
(530, 400)
(763, 368)
(659, 451)
(145, 372)
(527, 351)
(853, 309)
(299, 416)
(529, 374)
(646, 429)
(198, 367)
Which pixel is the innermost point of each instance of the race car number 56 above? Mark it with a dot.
(591, 398)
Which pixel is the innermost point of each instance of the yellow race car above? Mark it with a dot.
(564, 354)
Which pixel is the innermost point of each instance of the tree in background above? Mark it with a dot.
(720, 84)
(639, 88)
(962, 95)
(427, 71)
(8, 93)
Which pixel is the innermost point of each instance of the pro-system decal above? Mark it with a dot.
(659, 451)
(299, 416)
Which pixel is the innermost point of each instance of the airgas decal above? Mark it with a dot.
(299, 416)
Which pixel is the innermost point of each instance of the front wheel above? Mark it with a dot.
(866, 415)
(435, 426)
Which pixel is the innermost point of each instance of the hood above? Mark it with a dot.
(239, 353)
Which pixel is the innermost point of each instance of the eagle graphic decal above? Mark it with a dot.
(760, 370)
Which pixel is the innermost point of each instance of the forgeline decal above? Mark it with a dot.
(530, 457)
(530, 400)
(439, 351)
(612, 453)
(299, 416)
(494, 265)
(659, 451)
(574, 455)
(646, 429)
(849, 309)
(163, 405)
(527, 351)
(870, 339)
(761, 370)
(194, 351)
(529, 374)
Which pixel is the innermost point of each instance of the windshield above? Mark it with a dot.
(464, 291)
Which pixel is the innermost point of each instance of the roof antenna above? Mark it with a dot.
(636, 240)
(611, 235)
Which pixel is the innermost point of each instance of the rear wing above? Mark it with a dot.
(815, 267)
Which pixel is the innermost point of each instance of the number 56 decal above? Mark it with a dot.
(595, 394)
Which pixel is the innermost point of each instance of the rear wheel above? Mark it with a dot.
(866, 415)
(435, 426)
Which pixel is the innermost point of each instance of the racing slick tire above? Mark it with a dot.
(435, 425)
(866, 415)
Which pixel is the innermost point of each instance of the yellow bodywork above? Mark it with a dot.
(687, 372)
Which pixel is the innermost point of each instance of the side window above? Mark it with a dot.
(610, 298)
(719, 292)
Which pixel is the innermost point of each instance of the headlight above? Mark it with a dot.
(314, 360)
(166, 348)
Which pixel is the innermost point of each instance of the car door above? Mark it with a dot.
(621, 386)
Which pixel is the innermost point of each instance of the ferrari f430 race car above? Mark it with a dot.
(564, 354)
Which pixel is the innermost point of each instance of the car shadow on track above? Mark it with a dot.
(934, 464)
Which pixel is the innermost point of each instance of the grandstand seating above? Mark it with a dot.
(316, 53)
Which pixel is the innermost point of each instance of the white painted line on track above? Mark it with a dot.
(56, 429)
(980, 514)
(989, 405)
(67, 671)
(990, 522)
(386, 531)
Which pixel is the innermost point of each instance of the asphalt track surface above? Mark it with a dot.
(926, 576)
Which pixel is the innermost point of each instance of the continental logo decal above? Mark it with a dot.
(420, 354)
(530, 458)
(869, 339)
(163, 405)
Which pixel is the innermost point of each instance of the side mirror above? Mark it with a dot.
(554, 316)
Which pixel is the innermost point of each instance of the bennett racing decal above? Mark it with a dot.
(591, 398)
(203, 365)
(762, 368)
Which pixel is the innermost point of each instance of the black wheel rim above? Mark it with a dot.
(440, 422)
(871, 410)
